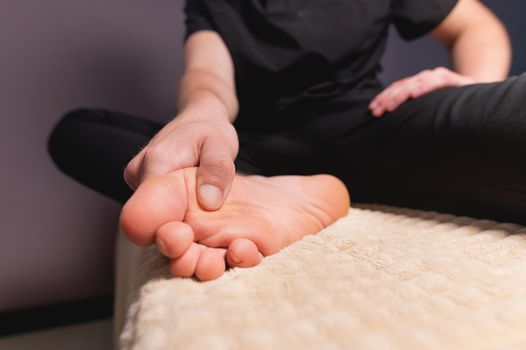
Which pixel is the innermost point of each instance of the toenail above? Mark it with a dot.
(210, 195)
(161, 246)
(234, 258)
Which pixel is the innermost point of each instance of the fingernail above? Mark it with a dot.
(161, 246)
(210, 195)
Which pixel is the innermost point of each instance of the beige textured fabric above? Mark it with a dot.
(380, 278)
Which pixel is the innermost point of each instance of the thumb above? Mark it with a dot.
(215, 174)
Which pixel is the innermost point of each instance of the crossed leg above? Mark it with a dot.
(458, 150)
(262, 214)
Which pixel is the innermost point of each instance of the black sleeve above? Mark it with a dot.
(197, 17)
(414, 18)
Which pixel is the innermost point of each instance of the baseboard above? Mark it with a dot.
(55, 315)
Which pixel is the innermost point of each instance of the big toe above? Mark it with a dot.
(243, 253)
(211, 264)
(156, 201)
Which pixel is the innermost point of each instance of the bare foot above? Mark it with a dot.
(261, 214)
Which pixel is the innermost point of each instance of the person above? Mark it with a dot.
(281, 114)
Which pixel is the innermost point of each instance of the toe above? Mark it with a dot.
(174, 238)
(243, 253)
(211, 264)
(155, 202)
(185, 265)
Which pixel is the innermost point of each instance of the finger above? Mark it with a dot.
(377, 109)
(132, 170)
(377, 106)
(398, 95)
(380, 104)
(428, 81)
(380, 98)
(397, 98)
(167, 157)
(387, 91)
(424, 89)
(215, 173)
(376, 101)
(418, 89)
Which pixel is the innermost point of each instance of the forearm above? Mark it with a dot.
(202, 96)
(483, 52)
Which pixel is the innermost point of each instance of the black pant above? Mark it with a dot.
(457, 150)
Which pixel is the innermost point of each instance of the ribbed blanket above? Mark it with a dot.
(379, 278)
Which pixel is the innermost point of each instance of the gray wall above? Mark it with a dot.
(55, 55)
(56, 236)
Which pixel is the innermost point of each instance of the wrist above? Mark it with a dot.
(204, 106)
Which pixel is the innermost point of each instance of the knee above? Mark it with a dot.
(514, 94)
(66, 132)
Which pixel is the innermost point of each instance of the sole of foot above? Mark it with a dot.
(260, 216)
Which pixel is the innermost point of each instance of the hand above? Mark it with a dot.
(211, 145)
(414, 87)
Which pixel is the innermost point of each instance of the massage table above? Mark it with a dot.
(379, 278)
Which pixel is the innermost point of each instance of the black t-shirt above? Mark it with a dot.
(296, 58)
